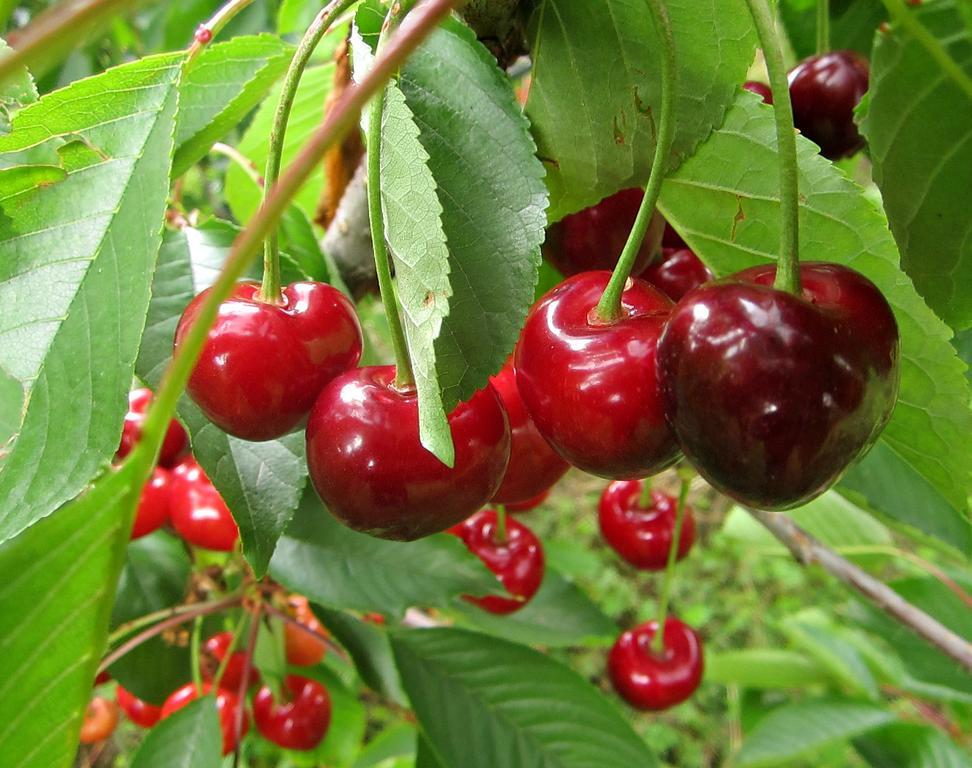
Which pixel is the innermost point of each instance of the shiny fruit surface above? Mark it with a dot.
(300, 722)
(198, 512)
(226, 707)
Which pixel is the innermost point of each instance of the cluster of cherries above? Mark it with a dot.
(299, 721)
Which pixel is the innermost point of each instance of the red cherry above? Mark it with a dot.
(263, 364)
(517, 560)
(760, 89)
(825, 90)
(373, 474)
(139, 712)
(677, 272)
(642, 536)
(215, 649)
(534, 466)
(594, 238)
(198, 512)
(100, 719)
(153, 506)
(656, 681)
(773, 395)
(102, 677)
(591, 387)
(303, 649)
(226, 707)
(528, 504)
(301, 722)
(671, 239)
(173, 445)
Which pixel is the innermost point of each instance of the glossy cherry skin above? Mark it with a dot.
(773, 395)
(653, 682)
(677, 272)
(642, 536)
(263, 364)
(198, 512)
(591, 387)
(527, 504)
(301, 722)
(139, 712)
(371, 471)
(760, 89)
(175, 442)
(517, 560)
(215, 649)
(594, 238)
(226, 707)
(534, 466)
(153, 504)
(303, 650)
(100, 720)
(671, 238)
(824, 91)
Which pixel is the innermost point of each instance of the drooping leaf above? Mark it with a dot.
(189, 738)
(725, 202)
(596, 88)
(74, 281)
(483, 702)
(909, 745)
(918, 127)
(852, 24)
(764, 668)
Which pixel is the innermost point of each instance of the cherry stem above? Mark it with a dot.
(151, 618)
(227, 657)
(251, 640)
(609, 307)
(788, 266)
(341, 118)
(823, 26)
(644, 500)
(246, 165)
(404, 377)
(658, 641)
(501, 523)
(287, 619)
(217, 21)
(270, 289)
(194, 645)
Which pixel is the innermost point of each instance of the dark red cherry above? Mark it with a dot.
(226, 707)
(173, 445)
(300, 722)
(642, 535)
(677, 272)
(534, 466)
(824, 90)
(371, 471)
(139, 712)
(517, 559)
(647, 680)
(528, 504)
(198, 512)
(100, 719)
(591, 387)
(671, 238)
(772, 395)
(760, 89)
(264, 364)
(215, 649)
(594, 238)
(153, 504)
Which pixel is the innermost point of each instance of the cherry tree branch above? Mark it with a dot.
(807, 550)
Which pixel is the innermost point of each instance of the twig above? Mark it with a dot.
(251, 639)
(807, 550)
(278, 614)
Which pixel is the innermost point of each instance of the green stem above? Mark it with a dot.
(658, 641)
(609, 307)
(823, 26)
(224, 662)
(223, 16)
(342, 117)
(270, 289)
(245, 164)
(501, 523)
(907, 19)
(645, 500)
(194, 644)
(788, 266)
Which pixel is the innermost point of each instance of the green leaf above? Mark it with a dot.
(58, 579)
(908, 745)
(74, 283)
(189, 738)
(224, 83)
(395, 742)
(725, 202)
(815, 634)
(16, 90)
(852, 24)
(920, 138)
(483, 702)
(340, 568)
(796, 730)
(597, 85)
(764, 668)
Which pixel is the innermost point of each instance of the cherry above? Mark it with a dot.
(215, 649)
(647, 680)
(102, 677)
(824, 90)
(198, 512)
(591, 387)
(264, 364)
(641, 535)
(304, 650)
(153, 505)
(760, 89)
(373, 474)
(594, 238)
(517, 559)
(139, 712)
(772, 395)
(100, 719)
(173, 445)
(534, 466)
(671, 238)
(226, 707)
(527, 504)
(301, 722)
(677, 272)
